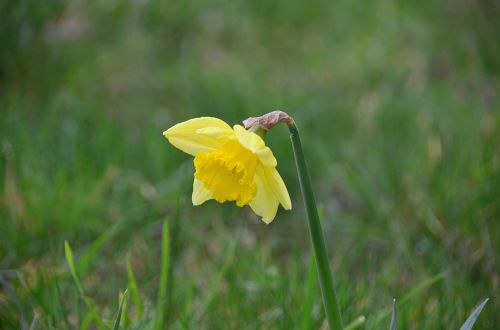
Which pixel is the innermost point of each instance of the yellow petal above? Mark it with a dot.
(271, 191)
(265, 203)
(278, 187)
(199, 134)
(255, 144)
(200, 193)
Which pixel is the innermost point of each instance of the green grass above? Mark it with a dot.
(398, 109)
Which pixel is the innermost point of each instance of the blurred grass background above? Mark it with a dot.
(398, 107)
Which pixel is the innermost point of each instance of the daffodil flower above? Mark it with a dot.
(231, 164)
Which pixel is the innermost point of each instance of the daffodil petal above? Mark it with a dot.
(200, 193)
(199, 135)
(265, 203)
(255, 144)
(278, 186)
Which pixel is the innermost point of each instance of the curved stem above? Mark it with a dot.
(330, 301)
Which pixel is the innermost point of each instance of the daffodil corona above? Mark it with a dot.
(231, 164)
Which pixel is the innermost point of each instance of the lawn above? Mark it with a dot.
(398, 107)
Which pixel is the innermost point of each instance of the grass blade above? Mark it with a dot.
(116, 326)
(394, 320)
(34, 323)
(87, 321)
(473, 317)
(133, 290)
(85, 258)
(359, 321)
(422, 286)
(161, 303)
(125, 320)
(69, 259)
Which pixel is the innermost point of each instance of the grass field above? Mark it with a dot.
(399, 110)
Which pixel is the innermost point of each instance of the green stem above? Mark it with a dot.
(330, 302)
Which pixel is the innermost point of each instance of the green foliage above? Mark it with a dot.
(162, 293)
(116, 325)
(92, 313)
(394, 317)
(399, 113)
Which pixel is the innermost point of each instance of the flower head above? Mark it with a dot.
(231, 164)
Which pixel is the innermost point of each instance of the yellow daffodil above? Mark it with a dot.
(231, 164)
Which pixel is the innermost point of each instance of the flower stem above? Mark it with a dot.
(330, 301)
